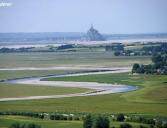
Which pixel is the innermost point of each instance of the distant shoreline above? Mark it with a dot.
(56, 43)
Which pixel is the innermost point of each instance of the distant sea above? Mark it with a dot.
(57, 38)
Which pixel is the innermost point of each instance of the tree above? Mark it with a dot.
(159, 124)
(135, 68)
(88, 121)
(42, 116)
(141, 126)
(52, 117)
(69, 117)
(32, 125)
(15, 125)
(62, 47)
(117, 53)
(101, 122)
(125, 125)
(156, 58)
(120, 117)
(165, 125)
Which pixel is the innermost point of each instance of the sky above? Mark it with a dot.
(107, 16)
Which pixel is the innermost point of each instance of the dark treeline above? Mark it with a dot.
(29, 49)
(161, 48)
(62, 47)
(29, 114)
(90, 120)
(62, 117)
(159, 66)
(114, 47)
(96, 122)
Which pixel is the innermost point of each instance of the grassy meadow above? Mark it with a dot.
(152, 87)
(150, 100)
(14, 74)
(54, 59)
(18, 90)
(136, 102)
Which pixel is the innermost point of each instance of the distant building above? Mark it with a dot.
(94, 35)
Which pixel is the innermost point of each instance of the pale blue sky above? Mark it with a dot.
(108, 16)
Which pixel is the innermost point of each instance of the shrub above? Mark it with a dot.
(120, 117)
(125, 125)
(88, 121)
(76, 118)
(52, 117)
(15, 125)
(141, 126)
(101, 122)
(70, 118)
(32, 125)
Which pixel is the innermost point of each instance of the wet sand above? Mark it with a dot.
(98, 88)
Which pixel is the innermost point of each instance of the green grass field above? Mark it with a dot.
(152, 87)
(122, 78)
(13, 74)
(13, 60)
(149, 100)
(6, 121)
(139, 46)
(136, 102)
(17, 90)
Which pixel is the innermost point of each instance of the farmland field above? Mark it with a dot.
(17, 90)
(149, 101)
(152, 87)
(93, 59)
(14, 74)
(138, 102)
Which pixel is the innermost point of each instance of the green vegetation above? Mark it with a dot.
(30, 125)
(121, 78)
(159, 66)
(17, 90)
(14, 74)
(54, 59)
(139, 46)
(120, 117)
(6, 121)
(101, 122)
(114, 47)
(125, 125)
(146, 83)
(138, 102)
(149, 101)
(142, 49)
(88, 121)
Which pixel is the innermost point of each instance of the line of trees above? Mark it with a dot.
(90, 121)
(62, 117)
(62, 47)
(161, 48)
(155, 49)
(159, 66)
(114, 47)
(29, 114)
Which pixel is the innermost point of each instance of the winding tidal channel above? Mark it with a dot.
(98, 88)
